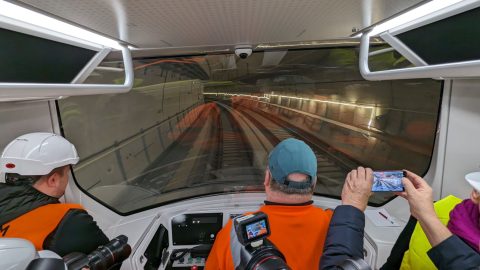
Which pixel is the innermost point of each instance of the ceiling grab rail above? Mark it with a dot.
(465, 69)
(54, 90)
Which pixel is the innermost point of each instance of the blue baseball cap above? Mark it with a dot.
(293, 156)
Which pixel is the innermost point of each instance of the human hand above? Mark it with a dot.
(358, 188)
(419, 196)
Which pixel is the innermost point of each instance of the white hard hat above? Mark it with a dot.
(474, 180)
(37, 154)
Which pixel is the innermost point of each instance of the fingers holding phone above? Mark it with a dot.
(357, 188)
(419, 196)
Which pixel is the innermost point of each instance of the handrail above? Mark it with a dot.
(50, 90)
(465, 69)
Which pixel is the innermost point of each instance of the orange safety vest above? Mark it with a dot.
(299, 232)
(36, 225)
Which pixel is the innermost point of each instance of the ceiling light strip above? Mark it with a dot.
(412, 15)
(23, 20)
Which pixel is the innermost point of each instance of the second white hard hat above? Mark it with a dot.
(37, 154)
(474, 180)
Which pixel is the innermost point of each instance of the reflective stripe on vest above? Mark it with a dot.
(416, 256)
(37, 224)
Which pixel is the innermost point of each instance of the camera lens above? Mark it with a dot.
(243, 55)
(115, 251)
(267, 257)
(271, 262)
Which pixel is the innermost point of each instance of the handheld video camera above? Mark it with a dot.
(108, 257)
(254, 250)
(103, 258)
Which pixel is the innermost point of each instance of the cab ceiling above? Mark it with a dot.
(200, 23)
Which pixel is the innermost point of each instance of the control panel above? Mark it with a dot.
(196, 229)
(188, 261)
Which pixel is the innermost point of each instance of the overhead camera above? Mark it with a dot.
(243, 52)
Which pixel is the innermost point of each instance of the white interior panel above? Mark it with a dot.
(434, 175)
(18, 118)
(463, 149)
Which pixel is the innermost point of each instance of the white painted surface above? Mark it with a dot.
(434, 175)
(17, 118)
(463, 148)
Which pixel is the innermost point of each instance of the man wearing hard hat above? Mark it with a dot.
(36, 167)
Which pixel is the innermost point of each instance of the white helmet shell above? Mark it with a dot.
(37, 154)
(474, 180)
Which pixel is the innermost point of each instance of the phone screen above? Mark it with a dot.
(387, 181)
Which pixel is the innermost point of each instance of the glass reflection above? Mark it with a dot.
(204, 125)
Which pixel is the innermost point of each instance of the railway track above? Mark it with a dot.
(213, 149)
(331, 171)
(217, 150)
(235, 151)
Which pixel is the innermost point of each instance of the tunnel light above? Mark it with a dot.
(325, 101)
(268, 96)
(235, 95)
(372, 108)
(411, 15)
(28, 16)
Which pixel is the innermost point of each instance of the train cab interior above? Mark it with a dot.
(174, 105)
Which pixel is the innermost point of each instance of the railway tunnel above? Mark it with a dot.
(205, 124)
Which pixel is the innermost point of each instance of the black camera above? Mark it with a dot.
(251, 228)
(253, 251)
(105, 257)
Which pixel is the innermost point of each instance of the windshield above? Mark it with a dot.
(202, 125)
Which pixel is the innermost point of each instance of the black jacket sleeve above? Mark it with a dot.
(453, 253)
(344, 238)
(76, 232)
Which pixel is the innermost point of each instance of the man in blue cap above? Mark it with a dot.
(298, 228)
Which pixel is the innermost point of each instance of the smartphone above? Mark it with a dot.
(388, 181)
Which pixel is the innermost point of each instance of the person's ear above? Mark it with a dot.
(268, 178)
(53, 180)
(475, 196)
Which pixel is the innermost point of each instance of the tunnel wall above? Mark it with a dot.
(118, 136)
(390, 127)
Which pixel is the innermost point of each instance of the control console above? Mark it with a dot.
(196, 229)
(188, 261)
(197, 232)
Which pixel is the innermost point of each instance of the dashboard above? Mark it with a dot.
(196, 229)
(179, 236)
